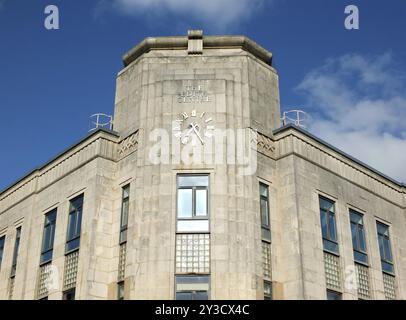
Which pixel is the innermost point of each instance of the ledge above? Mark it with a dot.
(342, 153)
(209, 42)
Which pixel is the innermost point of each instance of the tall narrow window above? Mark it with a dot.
(264, 207)
(358, 237)
(360, 254)
(192, 238)
(125, 208)
(72, 247)
(2, 242)
(330, 245)
(45, 269)
(16, 250)
(125, 204)
(328, 225)
(385, 248)
(74, 224)
(48, 237)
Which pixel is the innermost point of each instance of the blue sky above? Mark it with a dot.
(351, 82)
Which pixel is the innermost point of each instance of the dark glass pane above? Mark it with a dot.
(201, 203)
(332, 295)
(124, 213)
(354, 236)
(330, 246)
(381, 247)
(326, 205)
(332, 225)
(193, 181)
(46, 256)
(323, 220)
(382, 229)
(360, 257)
(123, 236)
(185, 201)
(72, 225)
(126, 192)
(69, 295)
(192, 279)
(266, 234)
(72, 245)
(387, 267)
(201, 295)
(16, 248)
(362, 244)
(120, 291)
(264, 213)
(388, 251)
(2, 241)
(184, 296)
(263, 190)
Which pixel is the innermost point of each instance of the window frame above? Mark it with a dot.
(193, 291)
(69, 291)
(16, 251)
(388, 238)
(338, 294)
(2, 246)
(267, 296)
(51, 248)
(328, 215)
(124, 200)
(74, 210)
(194, 189)
(359, 226)
(266, 198)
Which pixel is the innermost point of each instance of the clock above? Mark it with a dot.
(193, 124)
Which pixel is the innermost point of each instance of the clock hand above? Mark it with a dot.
(194, 127)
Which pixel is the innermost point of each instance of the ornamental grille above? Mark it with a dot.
(121, 262)
(389, 286)
(43, 280)
(71, 270)
(332, 270)
(266, 259)
(193, 253)
(11, 288)
(362, 281)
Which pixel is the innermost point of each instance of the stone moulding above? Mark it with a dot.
(128, 145)
(100, 144)
(263, 144)
(291, 140)
(209, 42)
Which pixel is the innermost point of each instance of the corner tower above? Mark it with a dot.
(165, 76)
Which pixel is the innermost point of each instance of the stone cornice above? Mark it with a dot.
(293, 140)
(99, 144)
(209, 42)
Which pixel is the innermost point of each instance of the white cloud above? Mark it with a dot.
(217, 13)
(359, 106)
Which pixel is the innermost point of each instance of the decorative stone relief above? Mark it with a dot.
(264, 144)
(128, 145)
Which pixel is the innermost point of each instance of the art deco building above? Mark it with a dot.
(119, 216)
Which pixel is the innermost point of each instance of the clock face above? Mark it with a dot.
(193, 125)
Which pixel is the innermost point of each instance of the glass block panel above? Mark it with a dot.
(362, 281)
(266, 259)
(43, 280)
(11, 288)
(389, 286)
(121, 262)
(332, 270)
(71, 270)
(193, 253)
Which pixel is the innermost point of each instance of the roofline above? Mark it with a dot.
(328, 145)
(209, 42)
(59, 155)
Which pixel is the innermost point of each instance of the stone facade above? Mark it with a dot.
(238, 87)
